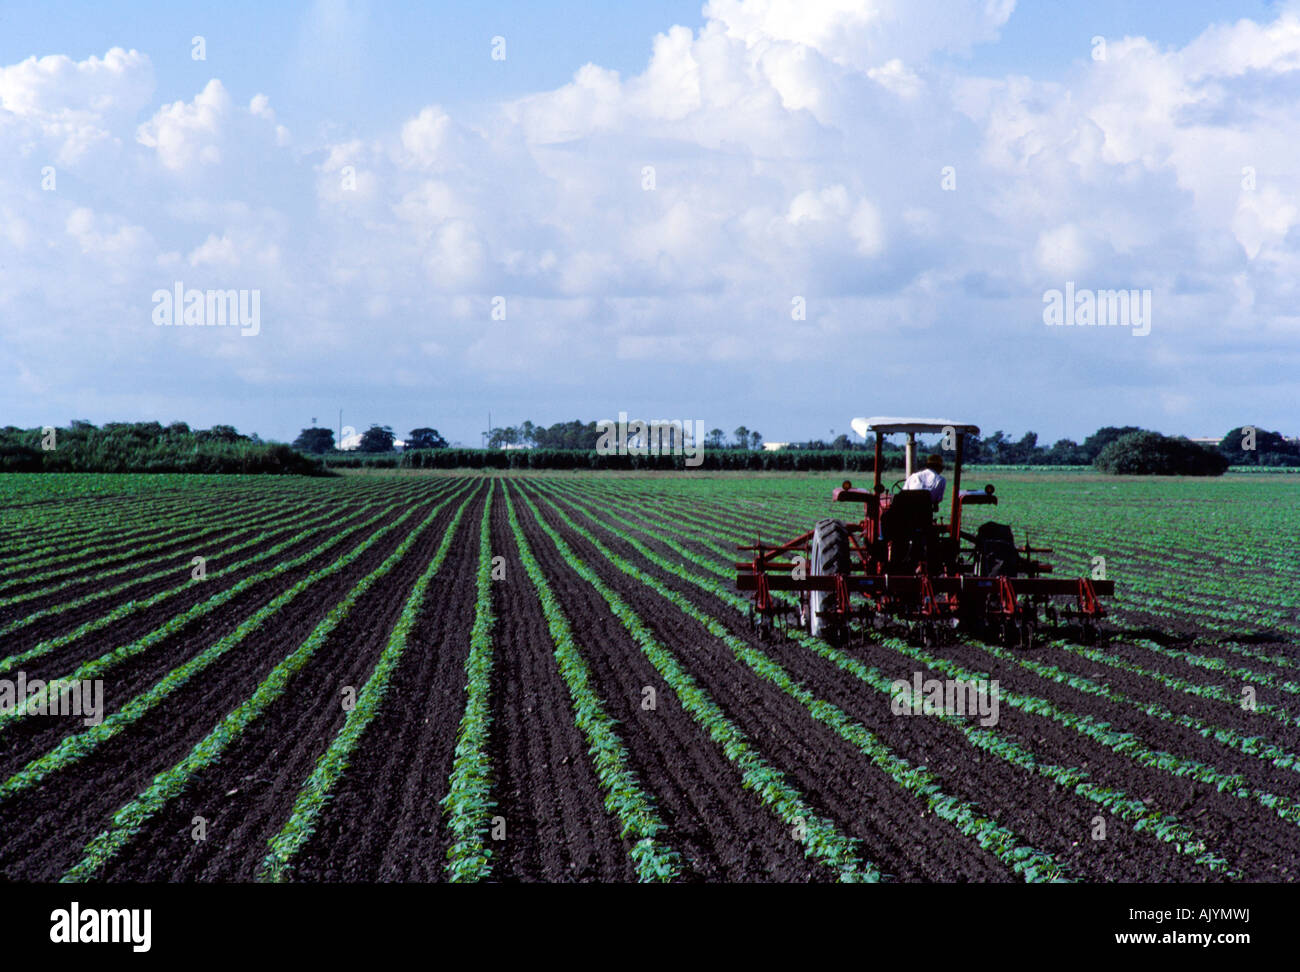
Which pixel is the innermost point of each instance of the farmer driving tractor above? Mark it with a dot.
(929, 478)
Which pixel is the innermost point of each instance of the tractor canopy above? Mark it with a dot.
(883, 425)
(889, 425)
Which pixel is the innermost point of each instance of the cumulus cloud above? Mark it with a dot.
(863, 35)
(119, 83)
(424, 137)
(72, 108)
(782, 151)
(183, 133)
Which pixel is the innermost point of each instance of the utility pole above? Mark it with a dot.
(339, 445)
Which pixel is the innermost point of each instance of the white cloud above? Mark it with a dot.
(820, 205)
(861, 34)
(867, 228)
(108, 239)
(424, 137)
(1062, 251)
(71, 109)
(215, 252)
(198, 135)
(119, 83)
(797, 150)
(185, 133)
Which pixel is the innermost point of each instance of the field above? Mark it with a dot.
(551, 678)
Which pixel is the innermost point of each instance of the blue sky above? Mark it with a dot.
(798, 153)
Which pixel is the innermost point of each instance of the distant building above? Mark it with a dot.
(774, 446)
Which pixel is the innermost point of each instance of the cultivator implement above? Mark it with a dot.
(902, 564)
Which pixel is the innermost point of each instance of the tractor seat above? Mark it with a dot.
(908, 528)
(910, 511)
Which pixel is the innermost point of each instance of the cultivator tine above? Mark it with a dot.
(1089, 604)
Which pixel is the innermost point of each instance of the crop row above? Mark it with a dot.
(111, 532)
(282, 525)
(97, 667)
(87, 571)
(468, 803)
(129, 820)
(624, 794)
(331, 765)
(823, 843)
(200, 519)
(77, 747)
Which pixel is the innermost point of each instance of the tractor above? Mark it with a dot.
(902, 564)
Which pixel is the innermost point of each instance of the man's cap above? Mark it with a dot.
(934, 462)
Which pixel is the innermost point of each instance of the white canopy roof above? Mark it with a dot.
(891, 424)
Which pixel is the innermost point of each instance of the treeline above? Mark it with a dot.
(150, 447)
(1113, 449)
(1000, 449)
(1143, 447)
(153, 447)
(1237, 447)
(1132, 449)
(712, 459)
(579, 435)
(572, 435)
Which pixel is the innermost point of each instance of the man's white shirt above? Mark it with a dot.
(927, 479)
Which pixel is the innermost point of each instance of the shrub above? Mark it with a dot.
(1150, 453)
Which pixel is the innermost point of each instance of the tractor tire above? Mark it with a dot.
(829, 556)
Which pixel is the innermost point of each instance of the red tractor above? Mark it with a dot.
(902, 562)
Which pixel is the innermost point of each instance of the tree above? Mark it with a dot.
(573, 434)
(425, 439)
(1144, 453)
(1026, 450)
(1103, 437)
(377, 438)
(991, 449)
(756, 440)
(1066, 452)
(315, 441)
(715, 439)
(742, 438)
(219, 433)
(1266, 448)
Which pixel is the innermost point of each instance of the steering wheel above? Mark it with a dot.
(896, 487)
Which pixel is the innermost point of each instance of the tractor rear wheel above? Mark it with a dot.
(829, 557)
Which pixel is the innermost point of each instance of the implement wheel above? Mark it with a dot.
(829, 556)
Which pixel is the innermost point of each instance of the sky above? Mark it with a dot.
(760, 212)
